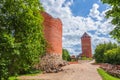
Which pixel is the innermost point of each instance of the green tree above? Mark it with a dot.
(113, 56)
(21, 36)
(101, 49)
(65, 55)
(7, 52)
(115, 14)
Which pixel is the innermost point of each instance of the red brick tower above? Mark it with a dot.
(86, 45)
(53, 33)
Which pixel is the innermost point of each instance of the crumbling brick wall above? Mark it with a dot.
(52, 61)
(53, 33)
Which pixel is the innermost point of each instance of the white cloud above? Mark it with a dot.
(74, 27)
(94, 12)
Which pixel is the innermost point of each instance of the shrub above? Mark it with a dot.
(113, 56)
(101, 49)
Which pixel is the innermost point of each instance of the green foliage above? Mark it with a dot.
(113, 56)
(8, 54)
(13, 78)
(107, 53)
(85, 58)
(65, 55)
(115, 14)
(105, 75)
(21, 36)
(101, 49)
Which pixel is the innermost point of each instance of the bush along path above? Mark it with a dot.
(81, 71)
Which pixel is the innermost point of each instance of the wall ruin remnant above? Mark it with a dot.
(53, 33)
(52, 61)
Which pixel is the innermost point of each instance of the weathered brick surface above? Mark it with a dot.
(86, 45)
(52, 61)
(53, 33)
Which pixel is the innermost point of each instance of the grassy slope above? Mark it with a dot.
(106, 76)
(32, 74)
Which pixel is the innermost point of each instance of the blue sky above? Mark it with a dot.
(79, 16)
(82, 7)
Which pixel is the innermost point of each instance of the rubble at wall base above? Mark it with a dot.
(51, 63)
(111, 69)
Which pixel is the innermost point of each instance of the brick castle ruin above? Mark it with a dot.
(52, 61)
(53, 33)
(86, 45)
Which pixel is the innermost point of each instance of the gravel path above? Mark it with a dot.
(82, 71)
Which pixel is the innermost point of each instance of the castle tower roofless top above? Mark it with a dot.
(53, 33)
(85, 35)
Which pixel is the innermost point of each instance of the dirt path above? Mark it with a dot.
(81, 71)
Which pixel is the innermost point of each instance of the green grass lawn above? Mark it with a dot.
(12, 78)
(106, 76)
(31, 74)
(16, 78)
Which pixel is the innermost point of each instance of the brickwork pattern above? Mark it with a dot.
(86, 46)
(53, 33)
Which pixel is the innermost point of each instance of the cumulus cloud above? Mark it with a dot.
(74, 26)
(94, 12)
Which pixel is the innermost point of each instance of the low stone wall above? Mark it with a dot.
(111, 69)
(51, 63)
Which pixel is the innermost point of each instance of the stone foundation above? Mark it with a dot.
(51, 63)
(111, 69)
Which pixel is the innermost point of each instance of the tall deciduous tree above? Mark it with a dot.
(65, 55)
(21, 35)
(115, 14)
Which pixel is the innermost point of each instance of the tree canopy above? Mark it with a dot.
(21, 36)
(101, 49)
(115, 14)
(65, 55)
(113, 56)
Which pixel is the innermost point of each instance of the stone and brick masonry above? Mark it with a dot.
(52, 61)
(111, 69)
(53, 33)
